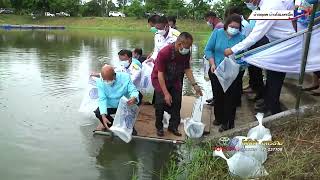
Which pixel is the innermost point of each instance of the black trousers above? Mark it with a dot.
(174, 110)
(226, 102)
(273, 90)
(255, 73)
(240, 85)
(317, 73)
(111, 111)
(211, 80)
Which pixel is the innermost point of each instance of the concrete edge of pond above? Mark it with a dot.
(268, 121)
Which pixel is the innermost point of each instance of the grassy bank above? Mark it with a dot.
(300, 158)
(102, 23)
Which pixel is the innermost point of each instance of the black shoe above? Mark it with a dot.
(175, 132)
(216, 123)
(160, 132)
(134, 132)
(223, 128)
(209, 100)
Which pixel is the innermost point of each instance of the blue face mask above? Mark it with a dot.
(251, 6)
(232, 31)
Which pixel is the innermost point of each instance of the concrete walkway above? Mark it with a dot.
(245, 114)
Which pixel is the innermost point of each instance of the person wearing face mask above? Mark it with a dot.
(273, 30)
(137, 54)
(213, 21)
(111, 87)
(164, 36)
(152, 21)
(172, 63)
(131, 66)
(225, 102)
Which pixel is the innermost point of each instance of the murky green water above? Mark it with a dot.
(42, 78)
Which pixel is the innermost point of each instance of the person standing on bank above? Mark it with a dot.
(214, 23)
(172, 63)
(225, 102)
(164, 36)
(274, 30)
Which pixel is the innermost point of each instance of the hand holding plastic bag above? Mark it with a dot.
(243, 166)
(260, 132)
(227, 72)
(124, 120)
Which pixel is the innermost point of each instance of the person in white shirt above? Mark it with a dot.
(273, 29)
(164, 36)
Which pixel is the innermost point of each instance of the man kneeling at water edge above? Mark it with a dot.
(111, 87)
(172, 63)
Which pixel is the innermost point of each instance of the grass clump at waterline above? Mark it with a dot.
(103, 23)
(300, 158)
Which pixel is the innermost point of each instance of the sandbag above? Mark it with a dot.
(260, 132)
(227, 72)
(90, 99)
(193, 126)
(242, 165)
(146, 87)
(124, 120)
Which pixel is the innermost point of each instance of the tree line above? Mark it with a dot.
(132, 8)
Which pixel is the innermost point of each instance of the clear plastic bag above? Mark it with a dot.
(90, 99)
(242, 165)
(124, 120)
(206, 67)
(166, 119)
(193, 126)
(146, 87)
(236, 144)
(260, 132)
(227, 72)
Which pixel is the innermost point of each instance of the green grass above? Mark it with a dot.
(300, 158)
(103, 23)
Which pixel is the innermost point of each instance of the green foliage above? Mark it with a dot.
(5, 4)
(135, 9)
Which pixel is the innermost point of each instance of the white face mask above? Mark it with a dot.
(209, 24)
(162, 32)
(251, 6)
(126, 63)
(184, 51)
(109, 83)
(232, 31)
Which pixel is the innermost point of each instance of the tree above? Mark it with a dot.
(135, 9)
(176, 8)
(110, 7)
(4, 3)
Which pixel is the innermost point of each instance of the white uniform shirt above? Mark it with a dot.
(273, 29)
(135, 73)
(161, 41)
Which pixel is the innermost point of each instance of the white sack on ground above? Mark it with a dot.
(242, 165)
(124, 120)
(193, 126)
(286, 56)
(260, 132)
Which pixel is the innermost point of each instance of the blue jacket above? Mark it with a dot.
(218, 42)
(109, 95)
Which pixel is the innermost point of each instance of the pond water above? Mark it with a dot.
(43, 75)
